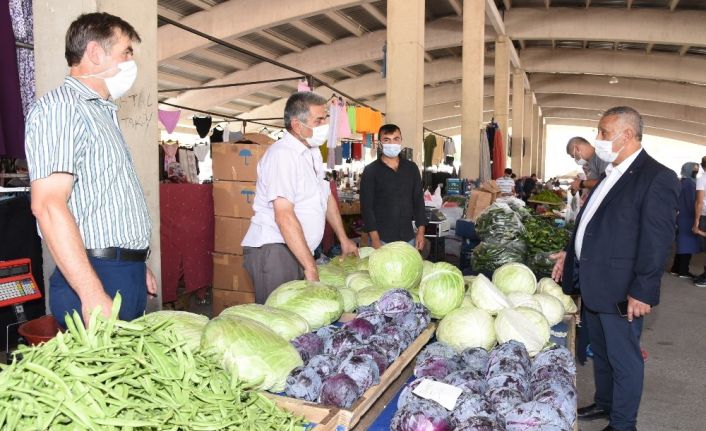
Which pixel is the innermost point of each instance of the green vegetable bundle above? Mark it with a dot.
(117, 375)
(488, 256)
(499, 224)
(541, 236)
(547, 197)
(541, 264)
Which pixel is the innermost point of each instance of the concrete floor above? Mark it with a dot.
(675, 373)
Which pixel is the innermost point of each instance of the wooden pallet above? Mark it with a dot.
(328, 418)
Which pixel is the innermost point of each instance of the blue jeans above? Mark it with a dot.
(129, 278)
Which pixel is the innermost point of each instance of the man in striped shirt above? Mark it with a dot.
(506, 184)
(88, 202)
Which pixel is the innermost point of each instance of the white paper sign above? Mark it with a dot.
(444, 394)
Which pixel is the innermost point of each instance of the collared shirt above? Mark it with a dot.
(506, 185)
(701, 186)
(292, 171)
(613, 174)
(391, 200)
(595, 167)
(72, 129)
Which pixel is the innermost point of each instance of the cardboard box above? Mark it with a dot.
(478, 201)
(233, 198)
(229, 273)
(223, 299)
(236, 161)
(229, 234)
(349, 208)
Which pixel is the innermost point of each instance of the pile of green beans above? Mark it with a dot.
(541, 236)
(117, 375)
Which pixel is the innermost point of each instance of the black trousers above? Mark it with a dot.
(681, 264)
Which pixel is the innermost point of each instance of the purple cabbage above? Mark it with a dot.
(471, 405)
(475, 358)
(560, 396)
(403, 337)
(395, 302)
(341, 342)
(375, 354)
(504, 399)
(327, 331)
(360, 326)
(436, 349)
(387, 344)
(308, 345)
(537, 416)
(517, 383)
(339, 390)
(362, 369)
(551, 373)
(481, 423)
(436, 366)
(373, 316)
(509, 357)
(422, 415)
(557, 356)
(303, 383)
(413, 322)
(324, 365)
(469, 380)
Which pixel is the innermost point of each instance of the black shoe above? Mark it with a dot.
(689, 275)
(592, 412)
(700, 283)
(610, 428)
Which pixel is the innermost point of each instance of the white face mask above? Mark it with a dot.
(121, 82)
(391, 150)
(604, 150)
(581, 162)
(319, 135)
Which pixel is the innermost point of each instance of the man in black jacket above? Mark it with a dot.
(391, 195)
(616, 258)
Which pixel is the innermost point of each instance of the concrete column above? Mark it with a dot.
(518, 108)
(137, 109)
(527, 133)
(535, 138)
(501, 102)
(473, 64)
(405, 71)
(543, 161)
(540, 146)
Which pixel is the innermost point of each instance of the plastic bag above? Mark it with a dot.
(499, 224)
(488, 256)
(541, 264)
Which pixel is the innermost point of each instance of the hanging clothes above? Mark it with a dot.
(484, 172)
(302, 85)
(217, 134)
(449, 147)
(352, 121)
(498, 155)
(331, 157)
(333, 112)
(429, 145)
(343, 126)
(338, 155)
(170, 152)
(438, 156)
(203, 125)
(346, 149)
(201, 151)
(169, 119)
(357, 148)
(369, 139)
(490, 131)
(324, 152)
(377, 121)
(22, 26)
(12, 123)
(187, 160)
(363, 119)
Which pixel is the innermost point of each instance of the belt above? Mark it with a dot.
(120, 254)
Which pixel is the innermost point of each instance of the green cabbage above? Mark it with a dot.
(286, 324)
(551, 308)
(522, 299)
(468, 281)
(358, 280)
(396, 264)
(525, 325)
(348, 264)
(442, 289)
(252, 352)
(188, 325)
(364, 252)
(468, 302)
(332, 274)
(370, 294)
(547, 285)
(350, 299)
(515, 277)
(363, 264)
(486, 296)
(317, 303)
(467, 327)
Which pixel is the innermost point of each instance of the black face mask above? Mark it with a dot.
(694, 174)
(703, 165)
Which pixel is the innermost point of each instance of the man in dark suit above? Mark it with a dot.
(617, 253)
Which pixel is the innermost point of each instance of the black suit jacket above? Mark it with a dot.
(627, 241)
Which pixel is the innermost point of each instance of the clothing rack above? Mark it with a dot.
(227, 118)
(237, 84)
(436, 133)
(309, 77)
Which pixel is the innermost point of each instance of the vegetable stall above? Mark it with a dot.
(386, 341)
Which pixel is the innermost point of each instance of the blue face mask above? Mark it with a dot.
(391, 150)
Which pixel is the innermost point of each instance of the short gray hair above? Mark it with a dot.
(630, 116)
(298, 106)
(576, 140)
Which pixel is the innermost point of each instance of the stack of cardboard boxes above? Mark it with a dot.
(480, 199)
(234, 174)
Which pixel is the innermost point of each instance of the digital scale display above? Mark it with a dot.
(17, 285)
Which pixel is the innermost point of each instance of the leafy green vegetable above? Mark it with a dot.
(525, 325)
(499, 224)
(189, 325)
(547, 196)
(486, 296)
(332, 274)
(286, 324)
(488, 256)
(467, 327)
(396, 264)
(371, 294)
(350, 299)
(358, 280)
(515, 277)
(251, 351)
(541, 236)
(317, 303)
(441, 289)
(551, 308)
(547, 285)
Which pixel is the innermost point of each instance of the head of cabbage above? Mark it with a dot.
(515, 277)
(467, 327)
(441, 289)
(284, 323)
(551, 308)
(395, 264)
(350, 299)
(370, 294)
(332, 274)
(486, 296)
(525, 325)
(187, 325)
(547, 285)
(252, 352)
(317, 303)
(358, 280)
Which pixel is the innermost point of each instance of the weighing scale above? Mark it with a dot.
(17, 286)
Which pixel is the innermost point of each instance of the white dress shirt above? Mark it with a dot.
(613, 174)
(294, 172)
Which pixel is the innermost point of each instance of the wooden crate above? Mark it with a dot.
(329, 418)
